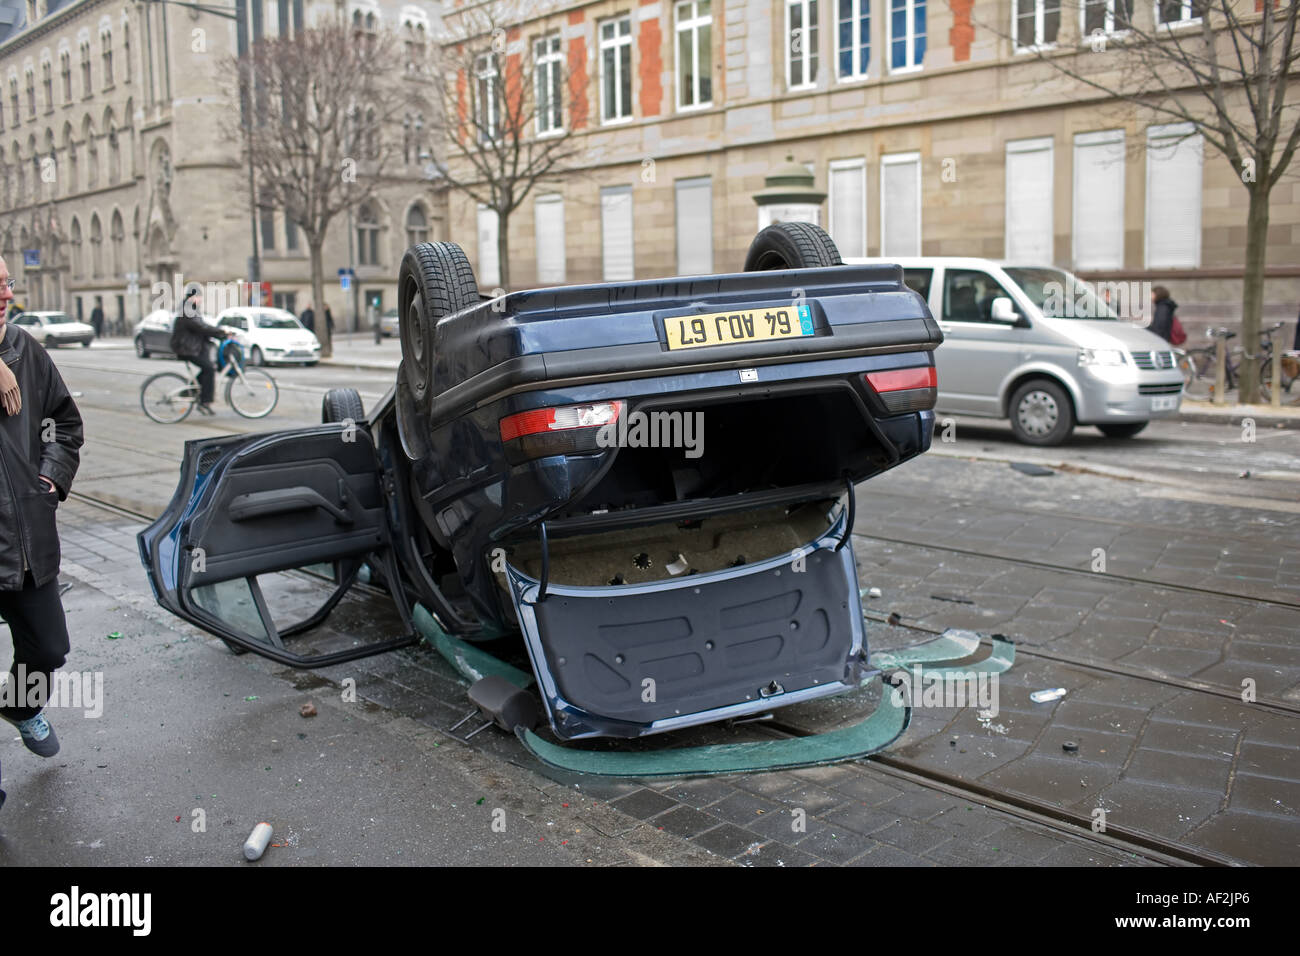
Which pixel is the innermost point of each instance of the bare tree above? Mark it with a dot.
(505, 112)
(323, 103)
(1222, 66)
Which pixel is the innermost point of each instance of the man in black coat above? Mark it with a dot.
(308, 319)
(97, 317)
(40, 442)
(189, 341)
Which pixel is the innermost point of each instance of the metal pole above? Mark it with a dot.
(1275, 386)
(1220, 371)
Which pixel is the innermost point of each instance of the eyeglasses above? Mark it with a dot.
(10, 284)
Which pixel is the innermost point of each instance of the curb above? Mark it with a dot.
(1265, 415)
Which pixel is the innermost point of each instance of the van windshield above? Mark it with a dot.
(1060, 295)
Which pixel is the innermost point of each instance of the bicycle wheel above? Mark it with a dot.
(168, 397)
(1198, 375)
(252, 393)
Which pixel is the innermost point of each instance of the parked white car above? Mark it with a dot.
(271, 336)
(55, 328)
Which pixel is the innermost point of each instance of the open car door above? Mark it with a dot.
(267, 533)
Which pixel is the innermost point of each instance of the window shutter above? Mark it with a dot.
(900, 205)
(616, 233)
(1099, 200)
(694, 226)
(549, 216)
(1029, 202)
(848, 206)
(489, 267)
(1173, 215)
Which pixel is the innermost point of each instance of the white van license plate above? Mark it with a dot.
(1164, 403)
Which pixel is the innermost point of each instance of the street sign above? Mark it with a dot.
(345, 282)
(31, 258)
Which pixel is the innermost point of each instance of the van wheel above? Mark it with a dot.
(1127, 430)
(435, 280)
(342, 404)
(1041, 413)
(791, 245)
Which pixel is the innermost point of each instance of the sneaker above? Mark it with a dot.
(38, 735)
(205, 409)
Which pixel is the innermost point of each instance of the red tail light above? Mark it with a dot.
(895, 380)
(546, 420)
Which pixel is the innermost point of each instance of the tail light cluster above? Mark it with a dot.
(905, 389)
(565, 430)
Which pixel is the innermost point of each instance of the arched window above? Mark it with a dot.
(5, 192)
(118, 236)
(96, 247)
(50, 170)
(92, 154)
(71, 183)
(368, 236)
(106, 51)
(47, 84)
(65, 73)
(114, 151)
(76, 246)
(85, 68)
(417, 225)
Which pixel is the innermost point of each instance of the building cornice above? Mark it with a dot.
(49, 24)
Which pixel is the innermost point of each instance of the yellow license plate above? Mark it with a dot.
(738, 325)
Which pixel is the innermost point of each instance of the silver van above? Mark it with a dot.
(1042, 348)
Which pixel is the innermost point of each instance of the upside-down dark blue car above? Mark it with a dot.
(649, 482)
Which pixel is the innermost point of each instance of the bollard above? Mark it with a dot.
(1221, 371)
(1275, 383)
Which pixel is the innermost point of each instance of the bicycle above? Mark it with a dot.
(1198, 366)
(169, 397)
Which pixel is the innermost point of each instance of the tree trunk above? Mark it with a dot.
(503, 249)
(1252, 293)
(318, 298)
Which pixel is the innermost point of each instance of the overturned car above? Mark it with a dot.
(651, 483)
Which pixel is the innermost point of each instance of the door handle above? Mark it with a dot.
(259, 504)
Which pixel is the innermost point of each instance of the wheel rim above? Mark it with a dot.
(139, 348)
(255, 356)
(254, 396)
(1038, 413)
(168, 398)
(416, 330)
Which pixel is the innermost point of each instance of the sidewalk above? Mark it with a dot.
(358, 350)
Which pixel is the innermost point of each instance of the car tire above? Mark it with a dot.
(50, 342)
(791, 245)
(85, 343)
(434, 280)
(256, 357)
(1041, 413)
(140, 350)
(1125, 430)
(342, 404)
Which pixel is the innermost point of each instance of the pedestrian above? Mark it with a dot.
(97, 317)
(329, 322)
(1296, 344)
(40, 442)
(1164, 322)
(308, 319)
(189, 341)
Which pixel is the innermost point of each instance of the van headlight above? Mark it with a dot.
(1102, 357)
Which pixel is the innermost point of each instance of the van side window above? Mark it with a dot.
(968, 295)
(918, 280)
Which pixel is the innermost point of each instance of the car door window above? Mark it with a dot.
(968, 295)
(918, 280)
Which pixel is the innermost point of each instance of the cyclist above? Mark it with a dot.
(189, 342)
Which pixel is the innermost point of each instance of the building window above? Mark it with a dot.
(848, 205)
(549, 227)
(65, 70)
(853, 38)
(266, 220)
(1036, 22)
(1107, 16)
(47, 84)
(96, 247)
(368, 236)
(417, 225)
(76, 247)
(31, 94)
(485, 99)
(695, 226)
(900, 204)
(694, 54)
(290, 235)
(616, 236)
(106, 48)
(1099, 200)
(1175, 155)
(416, 46)
(489, 263)
(616, 70)
(13, 99)
(126, 52)
(906, 34)
(85, 70)
(801, 43)
(549, 62)
(118, 236)
(1029, 201)
(1179, 11)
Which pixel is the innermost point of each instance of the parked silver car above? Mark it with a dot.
(52, 329)
(1038, 346)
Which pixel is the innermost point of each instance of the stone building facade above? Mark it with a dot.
(931, 132)
(117, 175)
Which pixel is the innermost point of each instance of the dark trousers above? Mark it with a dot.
(207, 377)
(40, 634)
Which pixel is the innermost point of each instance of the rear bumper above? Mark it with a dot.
(628, 661)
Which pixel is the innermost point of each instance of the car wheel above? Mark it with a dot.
(51, 342)
(791, 245)
(85, 343)
(140, 350)
(1041, 413)
(342, 404)
(255, 357)
(435, 280)
(1127, 430)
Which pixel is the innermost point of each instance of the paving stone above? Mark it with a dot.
(911, 836)
(1262, 794)
(886, 855)
(834, 844)
(742, 808)
(1260, 839)
(1162, 810)
(685, 821)
(776, 853)
(861, 819)
(644, 804)
(1053, 779)
(727, 840)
